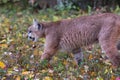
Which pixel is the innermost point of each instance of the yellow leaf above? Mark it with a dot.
(47, 78)
(90, 56)
(106, 71)
(7, 29)
(2, 65)
(4, 78)
(31, 75)
(55, 58)
(112, 77)
(3, 41)
(74, 63)
(93, 74)
(17, 78)
(65, 62)
(82, 71)
(9, 72)
(43, 71)
(25, 73)
(3, 45)
(19, 34)
(99, 78)
(55, 18)
(36, 52)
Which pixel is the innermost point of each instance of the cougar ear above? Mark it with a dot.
(36, 24)
(40, 26)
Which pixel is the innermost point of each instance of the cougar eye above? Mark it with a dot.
(29, 31)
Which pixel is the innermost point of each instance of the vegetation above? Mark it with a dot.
(73, 4)
(20, 58)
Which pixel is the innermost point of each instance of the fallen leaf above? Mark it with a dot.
(25, 73)
(90, 56)
(65, 62)
(17, 78)
(47, 78)
(4, 45)
(36, 52)
(2, 65)
(112, 77)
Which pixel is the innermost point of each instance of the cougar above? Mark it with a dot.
(70, 35)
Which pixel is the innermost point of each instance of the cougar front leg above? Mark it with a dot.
(51, 46)
(78, 55)
(48, 53)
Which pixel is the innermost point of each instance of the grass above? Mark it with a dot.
(21, 58)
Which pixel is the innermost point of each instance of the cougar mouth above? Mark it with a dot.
(31, 38)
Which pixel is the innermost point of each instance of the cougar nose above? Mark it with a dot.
(30, 37)
(33, 39)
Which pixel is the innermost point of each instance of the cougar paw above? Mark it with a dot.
(78, 60)
(45, 56)
(116, 60)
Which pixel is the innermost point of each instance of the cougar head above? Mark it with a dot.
(35, 31)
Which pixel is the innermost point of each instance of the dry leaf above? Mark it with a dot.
(2, 65)
(17, 78)
(25, 72)
(47, 78)
(4, 45)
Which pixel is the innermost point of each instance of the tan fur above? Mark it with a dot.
(71, 34)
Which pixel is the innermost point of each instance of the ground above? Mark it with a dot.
(20, 58)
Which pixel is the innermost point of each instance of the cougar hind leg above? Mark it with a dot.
(78, 55)
(118, 45)
(108, 44)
